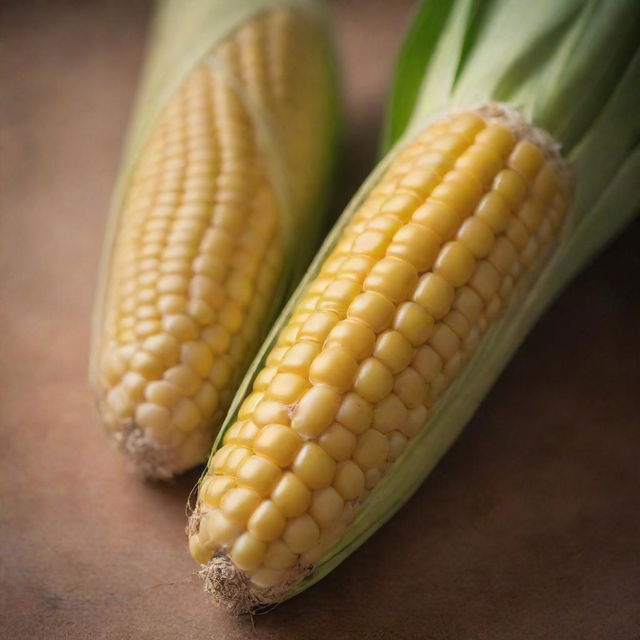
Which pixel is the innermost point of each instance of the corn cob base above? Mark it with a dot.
(231, 168)
(449, 237)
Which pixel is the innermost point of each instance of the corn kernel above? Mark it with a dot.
(298, 358)
(316, 411)
(373, 309)
(267, 522)
(214, 489)
(355, 413)
(427, 363)
(498, 138)
(397, 444)
(258, 473)
(389, 414)
(373, 381)
(416, 244)
(291, 495)
(485, 280)
(416, 419)
(413, 322)
(238, 504)
(317, 326)
(326, 506)
(338, 442)
(353, 336)
(334, 367)
(393, 350)
(215, 527)
(301, 533)
(410, 388)
(314, 466)
(371, 449)
(349, 480)
(455, 263)
(493, 211)
(391, 277)
(434, 294)
(269, 411)
(247, 552)
(439, 218)
(279, 556)
(503, 255)
(526, 159)
(278, 443)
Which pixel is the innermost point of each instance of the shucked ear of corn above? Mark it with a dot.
(512, 156)
(216, 214)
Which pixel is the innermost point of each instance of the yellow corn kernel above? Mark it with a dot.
(434, 294)
(267, 522)
(258, 473)
(287, 388)
(291, 495)
(238, 504)
(349, 480)
(373, 381)
(316, 411)
(270, 411)
(338, 442)
(247, 552)
(440, 218)
(371, 449)
(413, 322)
(279, 556)
(219, 529)
(298, 358)
(316, 327)
(353, 336)
(212, 491)
(326, 506)
(393, 278)
(389, 414)
(301, 533)
(393, 350)
(373, 309)
(455, 263)
(334, 367)
(314, 466)
(278, 443)
(355, 413)
(476, 236)
(416, 244)
(526, 158)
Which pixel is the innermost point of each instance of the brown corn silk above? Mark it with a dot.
(440, 246)
(230, 171)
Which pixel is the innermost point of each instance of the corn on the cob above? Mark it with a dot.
(231, 169)
(431, 257)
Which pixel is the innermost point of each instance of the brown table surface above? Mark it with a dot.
(530, 526)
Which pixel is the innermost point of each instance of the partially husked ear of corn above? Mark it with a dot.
(220, 209)
(469, 227)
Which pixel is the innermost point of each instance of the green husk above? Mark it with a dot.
(572, 68)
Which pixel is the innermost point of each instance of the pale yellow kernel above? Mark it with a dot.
(298, 358)
(397, 444)
(239, 503)
(427, 363)
(214, 489)
(152, 417)
(546, 185)
(264, 378)
(164, 347)
(256, 472)
(301, 533)
(279, 556)
(221, 371)
(278, 443)
(316, 411)
(413, 322)
(416, 244)
(185, 415)
(393, 350)
(444, 341)
(184, 379)
(314, 466)
(249, 404)
(494, 212)
(173, 283)
(180, 326)
(232, 434)
(434, 294)
(270, 411)
(373, 309)
(468, 303)
(457, 194)
(485, 281)
(449, 143)
(476, 236)
(356, 268)
(371, 449)
(218, 339)
(371, 478)
(197, 356)
(338, 295)
(247, 552)
(206, 399)
(220, 457)
(265, 578)
(135, 385)
(147, 365)
(526, 159)
(353, 336)
(372, 244)
(355, 413)
(498, 138)
(439, 218)
(291, 495)
(511, 187)
(455, 263)
(326, 506)
(317, 326)
(517, 233)
(349, 480)
(199, 552)
(401, 205)
(287, 388)
(289, 334)
(410, 387)
(335, 368)
(503, 255)
(393, 278)
(338, 442)
(420, 181)
(217, 529)
(389, 414)
(373, 381)
(267, 522)
(416, 419)
(235, 459)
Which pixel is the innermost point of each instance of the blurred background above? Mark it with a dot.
(528, 528)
